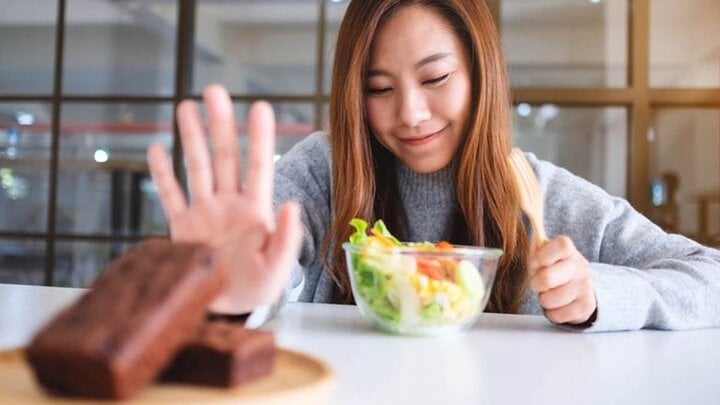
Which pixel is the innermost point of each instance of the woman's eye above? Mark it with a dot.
(378, 90)
(438, 79)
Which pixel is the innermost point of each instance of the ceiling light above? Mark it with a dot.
(524, 109)
(24, 118)
(101, 156)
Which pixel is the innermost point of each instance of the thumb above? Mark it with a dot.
(284, 244)
(532, 264)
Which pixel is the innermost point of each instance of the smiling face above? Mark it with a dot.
(417, 92)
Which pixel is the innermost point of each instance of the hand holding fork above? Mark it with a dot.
(558, 272)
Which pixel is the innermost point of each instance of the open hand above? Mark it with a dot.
(234, 219)
(561, 277)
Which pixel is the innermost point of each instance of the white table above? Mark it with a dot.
(505, 359)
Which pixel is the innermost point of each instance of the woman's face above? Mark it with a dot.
(417, 93)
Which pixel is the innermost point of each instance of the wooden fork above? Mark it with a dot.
(528, 189)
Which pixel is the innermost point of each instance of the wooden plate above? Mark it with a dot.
(297, 379)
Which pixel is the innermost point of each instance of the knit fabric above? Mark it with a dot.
(643, 277)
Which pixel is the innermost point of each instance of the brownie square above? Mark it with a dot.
(128, 326)
(223, 354)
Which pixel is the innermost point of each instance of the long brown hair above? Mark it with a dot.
(489, 214)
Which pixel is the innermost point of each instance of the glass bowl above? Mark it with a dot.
(421, 291)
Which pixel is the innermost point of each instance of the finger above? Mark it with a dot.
(172, 199)
(261, 139)
(548, 278)
(559, 297)
(195, 150)
(284, 244)
(552, 251)
(221, 123)
(578, 311)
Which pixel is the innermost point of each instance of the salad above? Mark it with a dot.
(412, 284)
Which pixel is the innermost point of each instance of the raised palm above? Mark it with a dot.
(234, 217)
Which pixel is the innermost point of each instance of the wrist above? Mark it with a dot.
(586, 324)
(254, 319)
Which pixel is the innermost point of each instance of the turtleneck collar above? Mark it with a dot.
(428, 200)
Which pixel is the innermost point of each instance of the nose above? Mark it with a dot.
(413, 108)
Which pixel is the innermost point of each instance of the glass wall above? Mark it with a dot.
(295, 120)
(24, 166)
(590, 142)
(560, 43)
(78, 263)
(119, 47)
(27, 45)
(102, 168)
(255, 47)
(22, 261)
(685, 170)
(685, 43)
(684, 133)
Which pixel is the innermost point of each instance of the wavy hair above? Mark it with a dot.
(488, 212)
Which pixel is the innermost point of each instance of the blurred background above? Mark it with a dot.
(625, 93)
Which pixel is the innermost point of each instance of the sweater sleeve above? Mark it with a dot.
(643, 276)
(303, 175)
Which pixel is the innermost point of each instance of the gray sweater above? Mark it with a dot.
(643, 277)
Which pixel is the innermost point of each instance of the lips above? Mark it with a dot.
(422, 139)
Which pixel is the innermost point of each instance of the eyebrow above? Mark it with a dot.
(424, 61)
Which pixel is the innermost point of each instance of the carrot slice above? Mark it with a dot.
(431, 268)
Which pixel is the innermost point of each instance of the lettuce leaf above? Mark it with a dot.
(373, 286)
(380, 228)
(359, 237)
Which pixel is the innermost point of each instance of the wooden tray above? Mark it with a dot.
(297, 379)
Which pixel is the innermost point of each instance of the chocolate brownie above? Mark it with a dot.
(128, 326)
(223, 354)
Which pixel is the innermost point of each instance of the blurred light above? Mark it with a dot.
(524, 109)
(276, 158)
(148, 187)
(13, 135)
(595, 1)
(658, 192)
(336, 1)
(15, 186)
(24, 118)
(6, 177)
(549, 111)
(101, 156)
(651, 135)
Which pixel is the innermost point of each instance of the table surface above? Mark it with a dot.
(504, 359)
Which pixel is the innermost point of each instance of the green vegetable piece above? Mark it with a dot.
(360, 236)
(373, 287)
(431, 311)
(371, 282)
(384, 310)
(381, 228)
(468, 278)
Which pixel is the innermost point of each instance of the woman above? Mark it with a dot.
(419, 136)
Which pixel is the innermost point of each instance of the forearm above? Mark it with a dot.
(683, 295)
